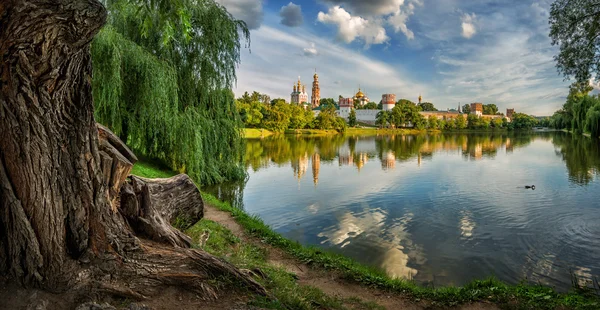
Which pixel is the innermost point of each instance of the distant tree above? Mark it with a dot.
(352, 118)
(433, 122)
(427, 106)
(265, 99)
(593, 120)
(380, 106)
(405, 101)
(497, 123)
(328, 119)
(466, 109)
(574, 28)
(383, 119)
(276, 100)
(325, 102)
(472, 121)
(442, 123)
(245, 98)
(405, 113)
(256, 96)
(490, 109)
(370, 106)
(523, 121)
(461, 122)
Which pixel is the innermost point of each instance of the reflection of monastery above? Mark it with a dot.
(388, 102)
(391, 150)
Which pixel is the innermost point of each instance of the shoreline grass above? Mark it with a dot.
(519, 296)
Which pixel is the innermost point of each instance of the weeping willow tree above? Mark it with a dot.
(162, 80)
(592, 121)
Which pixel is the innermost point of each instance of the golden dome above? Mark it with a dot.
(359, 94)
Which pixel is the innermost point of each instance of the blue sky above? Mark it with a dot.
(449, 51)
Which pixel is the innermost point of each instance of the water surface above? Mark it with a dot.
(440, 209)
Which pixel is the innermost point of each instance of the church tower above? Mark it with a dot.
(315, 99)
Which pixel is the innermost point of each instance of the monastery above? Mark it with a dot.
(299, 96)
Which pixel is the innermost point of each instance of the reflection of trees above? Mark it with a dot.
(581, 156)
(388, 149)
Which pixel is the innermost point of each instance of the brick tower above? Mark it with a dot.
(315, 99)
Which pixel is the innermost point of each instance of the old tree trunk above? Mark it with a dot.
(64, 224)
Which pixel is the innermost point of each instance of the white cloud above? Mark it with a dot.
(468, 25)
(291, 15)
(399, 19)
(250, 11)
(311, 51)
(274, 70)
(368, 7)
(352, 27)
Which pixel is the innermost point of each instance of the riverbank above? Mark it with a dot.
(255, 133)
(348, 275)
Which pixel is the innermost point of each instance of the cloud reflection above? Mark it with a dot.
(383, 237)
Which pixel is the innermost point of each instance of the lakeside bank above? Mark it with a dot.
(258, 133)
(522, 295)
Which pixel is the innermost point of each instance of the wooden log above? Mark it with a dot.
(151, 206)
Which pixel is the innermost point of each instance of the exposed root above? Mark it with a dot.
(146, 273)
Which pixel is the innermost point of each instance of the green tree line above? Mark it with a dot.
(580, 113)
(278, 115)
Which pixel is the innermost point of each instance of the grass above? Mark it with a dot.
(311, 132)
(254, 133)
(282, 284)
(289, 294)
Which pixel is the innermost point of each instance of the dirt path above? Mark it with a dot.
(329, 282)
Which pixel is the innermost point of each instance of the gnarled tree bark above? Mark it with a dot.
(60, 227)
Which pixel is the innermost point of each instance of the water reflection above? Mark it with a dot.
(358, 151)
(442, 208)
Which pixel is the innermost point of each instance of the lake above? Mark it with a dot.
(441, 209)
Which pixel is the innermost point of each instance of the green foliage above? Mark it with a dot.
(404, 101)
(383, 119)
(369, 106)
(427, 106)
(592, 120)
(250, 113)
(461, 122)
(433, 122)
(490, 109)
(407, 113)
(328, 119)
(523, 121)
(162, 74)
(324, 102)
(497, 123)
(466, 109)
(352, 118)
(278, 116)
(575, 29)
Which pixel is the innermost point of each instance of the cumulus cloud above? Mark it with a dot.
(291, 15)
(399, 19)
(468, 25)
(274, 70)
(311, 51)
(250, 11)
(368, 8)
(352, 27)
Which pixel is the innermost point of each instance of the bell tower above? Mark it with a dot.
(315, 98)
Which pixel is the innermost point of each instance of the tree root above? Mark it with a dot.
(156, 267)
